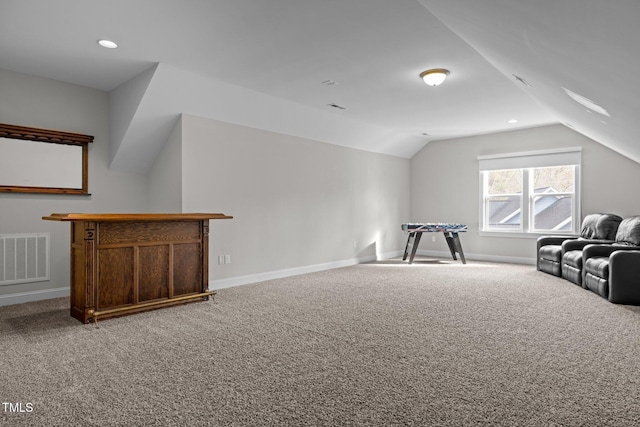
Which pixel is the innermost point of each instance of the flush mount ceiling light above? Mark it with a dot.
(107, 43)
(435, 76)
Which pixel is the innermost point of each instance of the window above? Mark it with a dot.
(503, 199)
(534, 192)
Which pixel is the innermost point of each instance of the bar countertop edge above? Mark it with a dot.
(134, 216)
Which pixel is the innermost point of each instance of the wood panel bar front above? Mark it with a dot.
(127, 263)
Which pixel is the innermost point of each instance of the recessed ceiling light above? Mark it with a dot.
(107, 43)
(513, 121)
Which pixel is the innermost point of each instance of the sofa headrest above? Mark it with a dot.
(600, 226)
(629, 231)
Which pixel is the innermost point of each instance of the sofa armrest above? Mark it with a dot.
(550, 240)
(591, 251)
(624, 277)
(579, 244)
(596, 250)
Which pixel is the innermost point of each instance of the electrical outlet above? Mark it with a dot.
(355, 244)
(433, 238)
(227, 259)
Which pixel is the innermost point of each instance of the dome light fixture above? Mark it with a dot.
(435, 76)
(107, 43)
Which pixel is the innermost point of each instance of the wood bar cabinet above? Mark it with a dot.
(127, 263)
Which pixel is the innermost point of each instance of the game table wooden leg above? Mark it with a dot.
(406, 248)
(453, 241)
(416, 241)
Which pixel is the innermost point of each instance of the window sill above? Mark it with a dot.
(523, 235)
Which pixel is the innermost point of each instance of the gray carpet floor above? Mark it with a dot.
(436, 343)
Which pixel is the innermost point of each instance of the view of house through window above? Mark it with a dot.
(553, 189)
(529, 199)
(503, 199)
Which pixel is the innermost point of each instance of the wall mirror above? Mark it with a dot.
(43, 161)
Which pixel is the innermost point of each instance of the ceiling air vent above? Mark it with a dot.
(339, 107)
(521, 80)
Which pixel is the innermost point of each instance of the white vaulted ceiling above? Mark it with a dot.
(264, 64)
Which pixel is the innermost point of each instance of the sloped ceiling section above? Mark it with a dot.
(124, 103)
(564, 50)
(145, 109)
(267, 64)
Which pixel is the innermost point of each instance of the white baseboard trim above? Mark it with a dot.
(480, 257)
(22, 297)
(288, 272)
(279, 274)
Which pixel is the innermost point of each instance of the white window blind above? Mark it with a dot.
(531, 159)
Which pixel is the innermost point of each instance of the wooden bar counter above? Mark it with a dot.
(126, 263)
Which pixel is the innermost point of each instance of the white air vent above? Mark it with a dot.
(24, 258)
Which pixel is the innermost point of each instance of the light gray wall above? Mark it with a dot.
(36, 102)
(296, 203)
(165, 176)
(445, 185)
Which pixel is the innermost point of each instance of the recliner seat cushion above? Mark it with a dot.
(598, 266)
(596, 275)
(551, 253)
(573, 259)
(572, 266)
(551, 267)
(597, 284)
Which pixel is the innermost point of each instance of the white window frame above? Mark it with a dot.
(527, 161)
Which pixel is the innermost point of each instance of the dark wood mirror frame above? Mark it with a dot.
(49, 137)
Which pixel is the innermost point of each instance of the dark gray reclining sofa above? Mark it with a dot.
(596, 228)
(613, 271)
